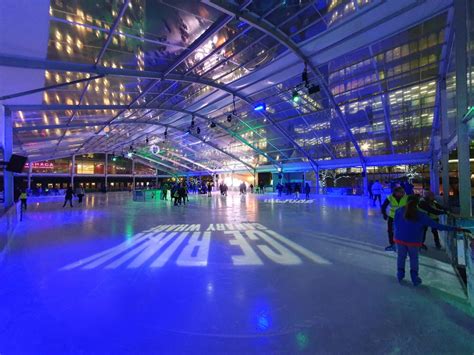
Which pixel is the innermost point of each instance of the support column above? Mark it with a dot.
(30, 171)
(463, 142)
(443, 111)
(434, 176)
(317, 180)
(7, 142)
(366, 180)
(106, 168)
(73, 170)
(133, 174)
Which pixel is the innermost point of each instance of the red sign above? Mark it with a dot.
(41, 165)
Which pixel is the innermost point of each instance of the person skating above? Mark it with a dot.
(409, 224)
(68, 196)
(279, 189)
(428, 205)
(80, 193)
(396, 200)
(307, 190)
(23, 199)
(377, 190)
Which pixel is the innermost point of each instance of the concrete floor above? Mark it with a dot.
(239, 275)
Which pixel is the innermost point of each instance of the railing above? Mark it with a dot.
(8, 221)
(460, 250)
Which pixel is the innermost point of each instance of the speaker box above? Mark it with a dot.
(16, 163)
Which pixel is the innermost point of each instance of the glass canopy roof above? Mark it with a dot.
(186, 76)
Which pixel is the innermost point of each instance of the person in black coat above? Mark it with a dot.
(68, 196)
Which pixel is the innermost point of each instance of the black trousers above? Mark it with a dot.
(80, 196)
(66, 200)
(23, 204)
(435, 236)
(390, 230)
(378, 197)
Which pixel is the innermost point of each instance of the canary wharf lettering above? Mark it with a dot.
(188, 245)
(274, 200)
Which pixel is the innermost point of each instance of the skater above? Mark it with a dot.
(377, 190)
(279, 189)
(80, 193)
(307, 190)
(68, 196)
(428, 205)
(369, 188)
(251, 188)
(297, 191)
(23, 198)
(209, 189)
(409, 225)
(396, 200)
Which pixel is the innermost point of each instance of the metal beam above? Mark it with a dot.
(169, 169)
(280, 36)
(33, 63)
(51, 87)
(98, 59)
(446, 51)
(61, 107)
(98, 124)
(384, 99)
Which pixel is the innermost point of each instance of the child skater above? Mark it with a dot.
(410, 224)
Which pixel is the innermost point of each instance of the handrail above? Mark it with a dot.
(460, 250)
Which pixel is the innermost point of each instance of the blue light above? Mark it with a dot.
(260, 107)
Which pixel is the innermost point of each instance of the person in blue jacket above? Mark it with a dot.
(410, 224)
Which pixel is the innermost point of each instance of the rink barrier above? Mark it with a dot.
(8, 222)
(460, 250)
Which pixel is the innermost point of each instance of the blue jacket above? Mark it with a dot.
(410, 233)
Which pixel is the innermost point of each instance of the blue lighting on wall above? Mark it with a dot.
(260, 107)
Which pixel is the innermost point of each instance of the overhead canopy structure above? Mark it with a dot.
(341, 83)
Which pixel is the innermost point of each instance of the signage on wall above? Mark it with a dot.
(188, 245)
(40, 165)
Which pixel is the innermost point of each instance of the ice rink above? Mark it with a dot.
(235, 274)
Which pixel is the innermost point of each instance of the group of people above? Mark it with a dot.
(376, 189)
(408, 220)
(296, 189)
(69, 193)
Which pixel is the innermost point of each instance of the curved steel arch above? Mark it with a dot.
(163, 108)
(266, 27)
(224, 128)
(92, 124)
(33, 63)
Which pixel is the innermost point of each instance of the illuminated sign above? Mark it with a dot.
(188, 245)
(155, 149)
(41, 165)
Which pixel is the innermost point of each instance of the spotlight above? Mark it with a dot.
(313, 89)
(192, 122)
(198, 130)
(260, 107)
(229, 118)
(129, 155)
(296, 96)
(147, 140)
(131, 147)
(166, 132)
(212, 125)
(114, 158)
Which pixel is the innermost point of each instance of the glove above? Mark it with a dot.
(385, 217)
